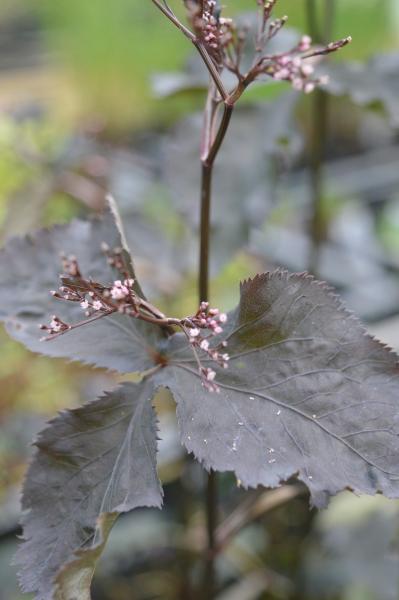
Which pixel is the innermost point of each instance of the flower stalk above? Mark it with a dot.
(221, 44)
(99, 300)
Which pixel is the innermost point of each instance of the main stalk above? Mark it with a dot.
(208, 156)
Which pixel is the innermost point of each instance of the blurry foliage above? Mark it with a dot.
(108, 53)
(111, 51)
(353, 550)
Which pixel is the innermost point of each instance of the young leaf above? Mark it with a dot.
(29, 269)
(307, 393)
(91, 464)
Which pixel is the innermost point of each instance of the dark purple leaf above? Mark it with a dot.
(91, 464)
(29, 269)
(307, 393)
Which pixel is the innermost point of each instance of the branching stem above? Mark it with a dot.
(210, 65)
(172, 17)
(253, 508)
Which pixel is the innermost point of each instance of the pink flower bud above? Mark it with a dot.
(307, 70)
(204, 345)
(210, 375)
(281, 74)
(305, 43)
(309, 87)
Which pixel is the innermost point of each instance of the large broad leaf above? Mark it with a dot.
(307, 393)
(29, 269)
(91, 464)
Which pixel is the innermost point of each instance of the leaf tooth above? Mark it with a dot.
(324, 286)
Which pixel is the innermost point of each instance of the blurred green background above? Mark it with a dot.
(79, 115)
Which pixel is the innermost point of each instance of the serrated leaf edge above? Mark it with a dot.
(329, 290)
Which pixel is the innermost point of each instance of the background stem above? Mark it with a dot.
(318, 136)
(311, 15)
(329, 18)
(211, 525)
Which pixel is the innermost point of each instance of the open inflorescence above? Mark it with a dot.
(98, 300)
(226, 42)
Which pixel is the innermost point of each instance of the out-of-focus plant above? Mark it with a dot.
(102, 52)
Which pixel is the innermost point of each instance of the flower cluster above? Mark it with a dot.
(294, 67)
(225, 41)
(219, 35)
(95, 299)
(56, 326)
(200, 329)
(99, 300)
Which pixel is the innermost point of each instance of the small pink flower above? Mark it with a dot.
(284, 60)
(297, 84)
(210, 375)
(204, 345)
(281, 74)
(309, 87)
(305, 43)
(55, 325)
(119, 291)
(307, 70)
